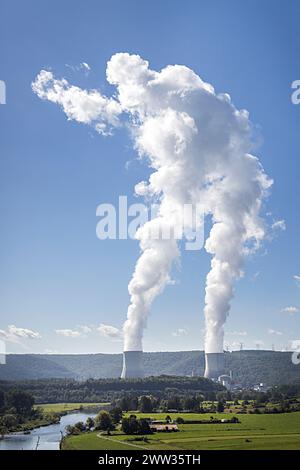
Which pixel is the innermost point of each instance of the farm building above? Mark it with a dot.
(164, 427)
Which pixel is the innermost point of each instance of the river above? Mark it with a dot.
(47, 437)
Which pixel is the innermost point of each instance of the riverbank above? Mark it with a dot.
(45, 437)
(51, 413)
(35, 423)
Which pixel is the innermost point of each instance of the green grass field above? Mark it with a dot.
(276, 431)
(64, 407)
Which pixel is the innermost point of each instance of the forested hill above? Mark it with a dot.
(248, 367)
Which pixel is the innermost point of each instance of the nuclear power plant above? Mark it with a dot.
(214, 365)
(132, 364)
(225, 159)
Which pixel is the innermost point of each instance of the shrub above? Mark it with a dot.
(179, 420)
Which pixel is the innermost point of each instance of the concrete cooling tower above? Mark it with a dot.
(132, 364)
(214, 365)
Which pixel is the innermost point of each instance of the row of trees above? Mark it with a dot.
(132, 425)
(106, 390)
(255, 403)
(151, 403)
(107, 422)
(104, 421)
(16, 401)
(16, 407)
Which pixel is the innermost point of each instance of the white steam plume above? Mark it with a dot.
(198, 145)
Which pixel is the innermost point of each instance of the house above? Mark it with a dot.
(166, 427)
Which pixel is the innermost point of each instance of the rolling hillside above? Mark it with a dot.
(248, 367)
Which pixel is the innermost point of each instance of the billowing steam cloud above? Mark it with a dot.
(198, 145)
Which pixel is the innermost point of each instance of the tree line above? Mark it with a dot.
(108, 421)
(107, 390)
(16, 407)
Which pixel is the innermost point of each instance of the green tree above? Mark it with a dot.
(116, 414)
(190, 403)
(134, 403)
(104, 422)
(90, 423)
(145, 404)
(124, 404)
(21, 401)
(72, 430)
(144, 427)
(174, 403)
(221, 396)
(9, 421)
(130, 425)
(220, 407)
(179, 420)
(134, 425)
(3, 430)
(125, 426)
(80, 426)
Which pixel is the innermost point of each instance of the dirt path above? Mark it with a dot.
(121, 442)
(221, 438)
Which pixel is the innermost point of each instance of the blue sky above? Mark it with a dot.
(55, 274)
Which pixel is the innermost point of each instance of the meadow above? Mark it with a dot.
(67, 407)
(265, 431)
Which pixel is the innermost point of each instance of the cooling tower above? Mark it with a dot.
(132, 364)
(214, 365)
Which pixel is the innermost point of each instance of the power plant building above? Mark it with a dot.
(214, 365)
(132, 364)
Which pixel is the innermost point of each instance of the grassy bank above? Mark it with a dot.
(67, 407)
(278, 431)
(50, 413)
(32, 423)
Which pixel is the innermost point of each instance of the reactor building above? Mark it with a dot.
(214, 365)
(132, 364)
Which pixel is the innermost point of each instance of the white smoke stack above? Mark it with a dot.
(132, 364)
(198, 145)
(214, 365)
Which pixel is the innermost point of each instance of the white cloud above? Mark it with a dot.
(14, 334)
(110, 331)
(69, 333)
(80, 331)
(180, 332)
(82, 67)
(290, 309)
(274, 332)
(85, 66)
(88, 107)
(85, 329)
(297, 279)
(198, 146)
(279, 225)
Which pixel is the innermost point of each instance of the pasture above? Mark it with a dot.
(265, 431)
(67, 407)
